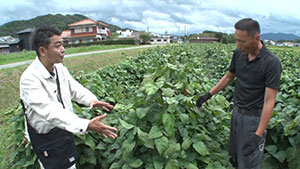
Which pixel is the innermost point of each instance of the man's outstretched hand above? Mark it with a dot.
(105, 106)
(98, 126)
(203, 99)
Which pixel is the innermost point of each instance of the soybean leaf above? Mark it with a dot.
(169, 122)
(161, 144)
(280, 155)
(143, 136)
(90, 142)
(155, 132)
(272, 149)
(191, 166)
(172, 164)
(115, 165)
(187, 142)
(135, 163)
(125, 124)
(168, 92)
(173, 150)
(158, 162)
(201, 148)
(141, 112)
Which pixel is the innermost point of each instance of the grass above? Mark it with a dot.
(297, 49)
(16, 57)
(94, 48)
(9, 89)
(29, 55)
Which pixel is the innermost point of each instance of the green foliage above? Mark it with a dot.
(283, 140)
(145, 38)
(106, 42)
(158, 124)
(297, 41)
(58, 20)
(223, 37)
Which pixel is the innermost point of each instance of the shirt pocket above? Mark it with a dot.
(257, 74)
(257, 77)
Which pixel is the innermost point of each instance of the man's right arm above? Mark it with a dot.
(223, 82)
(47, 112)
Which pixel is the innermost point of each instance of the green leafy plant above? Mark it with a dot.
(158, 123)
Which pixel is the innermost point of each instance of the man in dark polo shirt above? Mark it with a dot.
(258, 73)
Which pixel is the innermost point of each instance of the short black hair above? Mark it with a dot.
(42, 35)
(249, 25)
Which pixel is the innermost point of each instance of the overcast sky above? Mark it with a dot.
(175, 16)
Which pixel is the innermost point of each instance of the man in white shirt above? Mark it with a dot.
(47, 90)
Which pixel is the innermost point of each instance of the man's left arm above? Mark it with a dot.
(253, 140)
(78, 92)
(269, 102)
(84, 96)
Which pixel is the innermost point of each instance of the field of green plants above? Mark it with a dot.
(159, 125)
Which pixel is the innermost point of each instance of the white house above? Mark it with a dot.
(159, 39)
(269, 42)
(124, 34)
(86, 30)
(290, 44)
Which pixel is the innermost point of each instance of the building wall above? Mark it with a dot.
(159, 40)
(83, 30)
(4, 50)
(14, 48)
(26, 41)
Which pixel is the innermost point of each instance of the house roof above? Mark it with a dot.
(28, 30)
(16, 41)
(87, 22)
(8, 40)
(66, 33)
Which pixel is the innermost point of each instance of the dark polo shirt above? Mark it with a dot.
(253, 77)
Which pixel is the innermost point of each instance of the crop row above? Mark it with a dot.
(158, 123)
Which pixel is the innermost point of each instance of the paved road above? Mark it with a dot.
(76, 54)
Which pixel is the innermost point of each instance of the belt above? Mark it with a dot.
(254, 112)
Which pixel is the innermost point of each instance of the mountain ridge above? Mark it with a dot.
(279, 36)
(58, 20)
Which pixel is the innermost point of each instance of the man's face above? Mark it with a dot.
(55, 52)
(246, 43)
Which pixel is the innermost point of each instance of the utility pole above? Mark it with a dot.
(166, 36)
(178, 37)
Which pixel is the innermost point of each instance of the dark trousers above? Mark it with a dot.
(55, 149)
(243, 124)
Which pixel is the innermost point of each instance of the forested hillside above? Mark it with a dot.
(58, 20)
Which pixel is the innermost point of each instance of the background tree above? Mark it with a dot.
(114, 35)
(145, 38)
